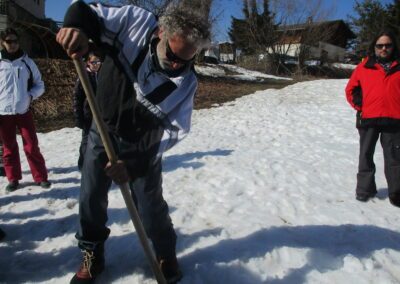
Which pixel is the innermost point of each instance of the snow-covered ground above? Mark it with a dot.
(344, 66)
(239, 73)
(261, 191)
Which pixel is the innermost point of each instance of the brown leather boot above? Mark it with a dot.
(170, 268)
(92, 265)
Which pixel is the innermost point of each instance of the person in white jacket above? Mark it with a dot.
(20, 83)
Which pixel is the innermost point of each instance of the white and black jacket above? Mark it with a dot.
(20, 83)
(141, 104)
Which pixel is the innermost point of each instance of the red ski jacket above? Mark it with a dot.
(375, 93)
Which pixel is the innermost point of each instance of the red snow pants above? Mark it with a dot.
(8, 133)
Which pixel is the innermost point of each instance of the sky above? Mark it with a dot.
(225, 9)
(261, 191)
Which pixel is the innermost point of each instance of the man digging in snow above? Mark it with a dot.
(145, 96)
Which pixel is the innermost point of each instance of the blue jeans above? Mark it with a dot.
(83, 146)
(146, 192)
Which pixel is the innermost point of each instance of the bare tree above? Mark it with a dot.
(284, 28)
(302, 28)
(201, 5)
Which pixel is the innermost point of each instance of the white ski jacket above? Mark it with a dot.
(15, 98)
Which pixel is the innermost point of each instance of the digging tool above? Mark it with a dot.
(80, 68)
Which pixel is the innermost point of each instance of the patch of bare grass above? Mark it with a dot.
(216, 91)
(54, 110)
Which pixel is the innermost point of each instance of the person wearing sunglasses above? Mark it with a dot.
(82, 112)
(20, 83)
(145, 92)
(374, 92)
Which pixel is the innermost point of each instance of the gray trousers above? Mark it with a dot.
(390, 141)
(146, 192)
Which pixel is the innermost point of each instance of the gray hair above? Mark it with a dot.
(193, 24)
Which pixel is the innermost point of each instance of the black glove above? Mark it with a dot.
(357, 96)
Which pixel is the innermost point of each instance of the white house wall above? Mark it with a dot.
(335, 53)
(212, 52)
(3, 22)
(226, 57)
(287, 49)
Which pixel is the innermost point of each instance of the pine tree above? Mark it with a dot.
(239, 31)
(245, 9)
(394, 17)
(267, 27)
(372, 18)
(253, 7)
(256, 32)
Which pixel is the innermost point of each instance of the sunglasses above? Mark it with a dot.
(176, 59)
(95, 62)
(11, 41)
(381, 46)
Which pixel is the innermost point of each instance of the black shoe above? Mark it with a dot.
(364, 197)
(92, 265)
(170, 269)
(395, 200)
(12, 186)
(2, 172)
(2, 234)
(44, 184)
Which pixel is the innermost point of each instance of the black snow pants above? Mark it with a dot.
(390, 141)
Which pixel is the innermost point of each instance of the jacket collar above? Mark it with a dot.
(11, 56)
(395, 67)
(371, 63)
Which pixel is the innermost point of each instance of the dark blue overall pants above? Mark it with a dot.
(147, 192)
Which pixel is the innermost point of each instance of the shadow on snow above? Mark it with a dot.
(328, 246)
(188, 160)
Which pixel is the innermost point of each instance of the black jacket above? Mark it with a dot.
(143, 106)
(82, 112)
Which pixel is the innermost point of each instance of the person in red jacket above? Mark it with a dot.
(374, 91)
